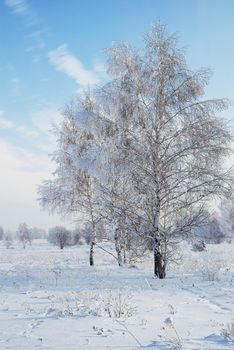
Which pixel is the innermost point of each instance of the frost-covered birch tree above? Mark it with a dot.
(72, 190)
(118, 201)
(170, 138)
(150, 147)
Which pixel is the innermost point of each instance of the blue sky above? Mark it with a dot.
(51, 49)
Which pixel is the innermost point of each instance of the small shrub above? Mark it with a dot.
(8, 239)
(114, 305)
(210, 273)
(228, 332)
(117, 305)
(211, 269)
(199, 246)
(60, 236)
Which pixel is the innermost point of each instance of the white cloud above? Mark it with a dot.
(18, 187)
(16, 184)
(100, 68)
(28, 132)
(23, 166)
(44, 119)
(23, 9)
(34, 140)
(19, 7)
(43, 122)
(64, 61)
(38, 34)
(5, 123)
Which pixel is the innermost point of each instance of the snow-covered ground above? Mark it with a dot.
(52, 299)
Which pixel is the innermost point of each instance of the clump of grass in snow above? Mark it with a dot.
(171, 336)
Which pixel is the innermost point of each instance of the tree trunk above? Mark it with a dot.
(92, 243)
(159, 268)
(91, 253)
(159, 265)
(118, 249)
(125, 255)
(92, 218)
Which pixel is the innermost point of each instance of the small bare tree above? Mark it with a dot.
(8, 239)
(1, 233)
(76, 236)
(23, 234)
(60, 236)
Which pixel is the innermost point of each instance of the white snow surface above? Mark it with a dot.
(52, 299)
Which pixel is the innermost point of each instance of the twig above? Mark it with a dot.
(106, 251)
(129, 332)
(147, 282)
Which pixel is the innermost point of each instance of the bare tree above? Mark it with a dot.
(23, 234)
(225, 217)
(76, 236)
(1, 233)
(8, 239)
(60, 236)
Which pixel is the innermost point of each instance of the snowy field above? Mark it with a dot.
(52, 299)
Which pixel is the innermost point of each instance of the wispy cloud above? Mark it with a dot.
(19, 7)
(38, 42)
(5, 123)
(61, 58)
(37, 33)
(26, 164)
(67, 63)
(38, 37)
(44, 119)
(23, 171)
(27, 132)
(21, 129)
(23, 9)
(39, 127)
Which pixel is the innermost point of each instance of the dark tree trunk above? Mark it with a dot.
(91, 260)
(159, 265)
(118, 249)
(125, 255)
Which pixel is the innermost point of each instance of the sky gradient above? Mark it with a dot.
(51, 50)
